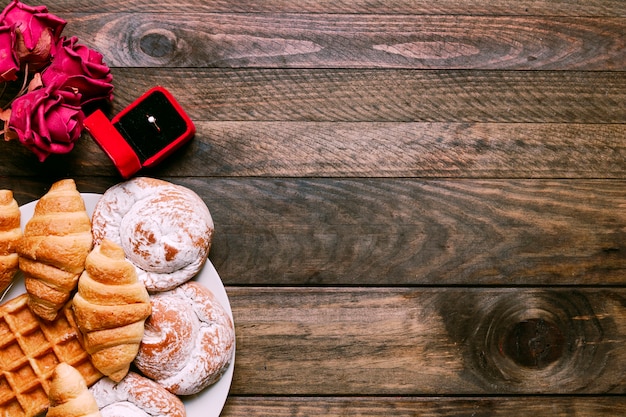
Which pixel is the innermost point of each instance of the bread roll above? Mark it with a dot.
(189, 340)
(136, 396)
(69, 395)
(110, 308)
(10, 234)
(56, 242)
(165, 229)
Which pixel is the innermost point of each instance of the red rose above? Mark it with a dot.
(9, 63)
(77, 66)
(37, 32)
(46, 121)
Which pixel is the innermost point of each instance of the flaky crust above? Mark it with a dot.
(189, 340)
(165, 229)
(69, 395)
(53, 249)
(10, 234)
(136, 396)
(110, 308)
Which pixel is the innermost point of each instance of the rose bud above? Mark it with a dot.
(37, 32)
(46, 121)
(80, 67)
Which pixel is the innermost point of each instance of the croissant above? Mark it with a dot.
(69, 395)
(110, 309)
(56, 242)
(10, 234)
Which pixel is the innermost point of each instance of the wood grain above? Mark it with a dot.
(410, 232)
(354, 41)
(392, 149)
(355, 95)
(442, 7)
(494, 406)
(305, 341)
(364, 149)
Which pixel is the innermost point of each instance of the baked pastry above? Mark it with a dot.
(31, 349)
(69, 395)
(165, 229)
(189, 340)
(136, 396)
(110, 308)
(56, 242)
(10, 234)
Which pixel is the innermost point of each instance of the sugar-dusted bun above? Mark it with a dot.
(189, 340)
(135, 396)
(165, 229)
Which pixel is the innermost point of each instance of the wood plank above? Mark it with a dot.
(326, 149)
(333, 341)
(451, 7)
(561, 406)
(427, 150)
(413, 232)
(406, 231)
(354, 41)
(353, 95)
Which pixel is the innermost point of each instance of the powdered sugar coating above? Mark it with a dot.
(123, 410)
(189, 340)
(165, 229)
(135, 396)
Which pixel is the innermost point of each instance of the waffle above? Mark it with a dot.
(30, 349)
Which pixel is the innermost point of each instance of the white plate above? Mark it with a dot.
(208, 403)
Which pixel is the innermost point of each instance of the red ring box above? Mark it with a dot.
(144, 133)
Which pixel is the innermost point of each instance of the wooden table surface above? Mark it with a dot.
(420, 206)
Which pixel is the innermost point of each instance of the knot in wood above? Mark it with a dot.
(158, 43)
(533, 343)
(512, 340)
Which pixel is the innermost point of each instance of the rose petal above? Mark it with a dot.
(47, 121)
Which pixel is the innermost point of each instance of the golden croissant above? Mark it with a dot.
(10, 234)
(56, 242)
(69, 395)
(110, 309)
